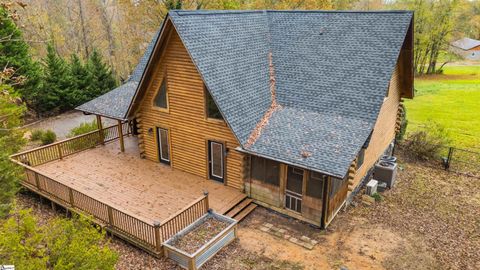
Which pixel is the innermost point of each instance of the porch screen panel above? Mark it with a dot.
(315, 185)
(335, 185)
(217, 159)
(265, 170)
(258, 168)
(272, 171)
(295, 180)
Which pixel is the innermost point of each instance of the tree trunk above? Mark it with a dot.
(84, 31)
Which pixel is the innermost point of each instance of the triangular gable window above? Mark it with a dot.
(161, 97)
(211, 107)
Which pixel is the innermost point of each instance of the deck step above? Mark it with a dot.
(239, 207)
(245, 212)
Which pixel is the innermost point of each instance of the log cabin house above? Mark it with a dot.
(285, 109)
(292, 108)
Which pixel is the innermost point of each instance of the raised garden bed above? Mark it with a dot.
(196, 244)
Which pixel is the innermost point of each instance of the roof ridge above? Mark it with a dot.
(216, 12)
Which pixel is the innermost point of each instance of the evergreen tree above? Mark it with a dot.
(80, 81)
(56, 86)
(11, 140)
(100, 76)
(14, 53)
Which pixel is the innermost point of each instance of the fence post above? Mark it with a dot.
(158, 240)
(207, 206)
(110, 215)
(449, 158)
(59, 151)
(70, 195)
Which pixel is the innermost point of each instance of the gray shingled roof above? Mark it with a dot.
(115, 103)
(332, 71)
(466, 43)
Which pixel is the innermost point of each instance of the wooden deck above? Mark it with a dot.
(143, 189)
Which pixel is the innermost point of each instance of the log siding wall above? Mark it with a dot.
(384, 130)
(189, 129)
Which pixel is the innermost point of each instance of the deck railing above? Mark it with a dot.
(184, 217)
(60, 149)
(149, 236)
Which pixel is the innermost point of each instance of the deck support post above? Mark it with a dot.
(158, 240)
(100, 130)
(120, 135)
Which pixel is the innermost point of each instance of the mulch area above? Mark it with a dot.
(200, 235)
(439, 209)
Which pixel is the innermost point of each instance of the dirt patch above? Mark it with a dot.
(350, 243)
(200, 235)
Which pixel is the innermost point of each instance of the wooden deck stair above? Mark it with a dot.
(241, 209)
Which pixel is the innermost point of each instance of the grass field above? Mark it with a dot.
(452, 100)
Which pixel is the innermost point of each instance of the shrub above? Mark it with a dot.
(36, 135)
(83, 128)
(377, 197)
(48, 137)
(427, 142)
(58, 244)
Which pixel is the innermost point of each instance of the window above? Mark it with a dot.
(360, 158)
(161, 97)
(211, 107)
(315, 185)
(267, 171)
(335, 185)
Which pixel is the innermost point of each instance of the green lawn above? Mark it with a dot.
(452, 100)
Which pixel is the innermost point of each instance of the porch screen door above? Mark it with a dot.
(216, 160)
(293, 190)
(163, 145)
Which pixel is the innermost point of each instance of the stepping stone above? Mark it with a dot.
(307, 246)
(268, 225)
(264, 229)
(305, 239)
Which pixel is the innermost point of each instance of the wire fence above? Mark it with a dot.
(461, 160)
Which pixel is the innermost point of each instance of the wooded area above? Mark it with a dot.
(70, 51)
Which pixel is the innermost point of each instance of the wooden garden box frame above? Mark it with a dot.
(195, 260)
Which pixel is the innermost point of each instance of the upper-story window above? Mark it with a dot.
(160, 100)
(211, 108)
(360, 158)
